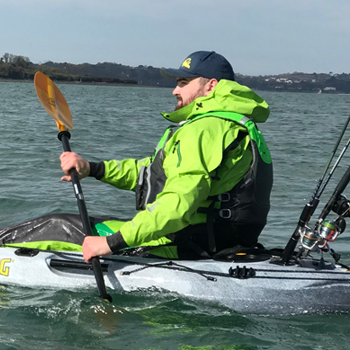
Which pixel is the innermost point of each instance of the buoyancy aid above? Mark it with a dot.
(249, 200)
(151, 179)
(246, 203)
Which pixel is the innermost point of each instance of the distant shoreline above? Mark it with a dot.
(3, 80)
(153, 86)
(15, 80)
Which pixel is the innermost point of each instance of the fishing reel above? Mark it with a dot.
(342, 206)
(328, 231)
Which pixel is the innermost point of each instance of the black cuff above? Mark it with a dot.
(97, 170)
(116, 242)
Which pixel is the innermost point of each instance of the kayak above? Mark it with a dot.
(250, 280)
(254, 284)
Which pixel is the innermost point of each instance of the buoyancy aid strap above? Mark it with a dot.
(210, 228)
(211, 211)
(241, 135)
(250, 124)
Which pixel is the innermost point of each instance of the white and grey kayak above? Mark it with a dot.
(260, 287)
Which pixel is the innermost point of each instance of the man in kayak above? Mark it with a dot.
(207, 187)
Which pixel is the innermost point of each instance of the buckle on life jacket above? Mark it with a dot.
(225, 213)
(224, 197)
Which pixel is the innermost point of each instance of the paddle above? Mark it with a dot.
(55, 104)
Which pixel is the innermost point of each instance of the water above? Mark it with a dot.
(121, 122)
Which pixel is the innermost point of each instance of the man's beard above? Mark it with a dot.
(177, 107)
(190, 100)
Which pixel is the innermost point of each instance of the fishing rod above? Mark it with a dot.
(335, 196)
(311, 206)
(333, 169)
(319, 187)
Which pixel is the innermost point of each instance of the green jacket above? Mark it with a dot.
(192, 155)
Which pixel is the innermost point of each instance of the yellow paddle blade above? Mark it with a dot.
(53, 101)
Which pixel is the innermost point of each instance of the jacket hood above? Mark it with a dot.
(227, 96)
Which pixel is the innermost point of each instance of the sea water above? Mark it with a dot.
(115, 122)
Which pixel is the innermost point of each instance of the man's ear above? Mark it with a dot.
(211, 85)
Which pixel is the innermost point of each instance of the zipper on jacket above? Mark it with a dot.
(177, 148)
(175, 144)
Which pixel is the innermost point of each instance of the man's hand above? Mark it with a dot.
(70, 160)
(95, 246)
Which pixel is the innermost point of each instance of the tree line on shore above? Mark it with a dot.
(21, 68)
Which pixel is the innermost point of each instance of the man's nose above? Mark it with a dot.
(176, 91)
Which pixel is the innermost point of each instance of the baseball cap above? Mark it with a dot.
(207, 64)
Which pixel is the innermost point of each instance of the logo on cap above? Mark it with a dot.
(186, 63)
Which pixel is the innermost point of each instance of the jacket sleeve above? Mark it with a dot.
(192, 155)
(123, 174)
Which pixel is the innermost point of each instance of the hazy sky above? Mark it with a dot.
(256, 36)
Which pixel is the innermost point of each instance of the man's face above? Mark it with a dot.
(187, 90)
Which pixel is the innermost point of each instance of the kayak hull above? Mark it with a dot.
(261, 287)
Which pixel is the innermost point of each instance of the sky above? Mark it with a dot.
(258, 37)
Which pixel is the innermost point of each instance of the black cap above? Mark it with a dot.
(207, 64)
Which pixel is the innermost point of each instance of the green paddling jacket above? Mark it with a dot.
(198, 164)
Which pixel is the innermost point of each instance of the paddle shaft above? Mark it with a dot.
(64, 136)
